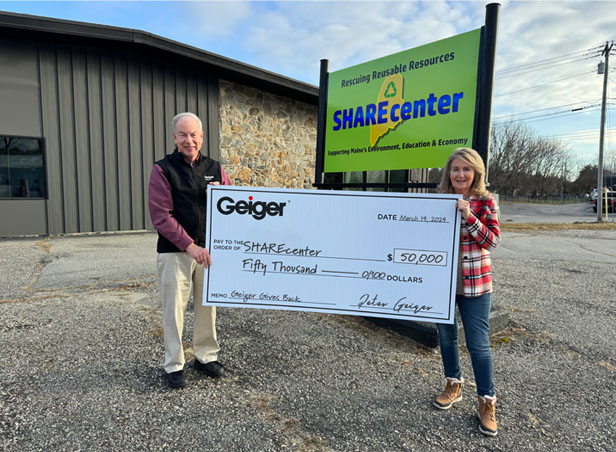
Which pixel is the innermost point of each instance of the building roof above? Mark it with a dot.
(30, 26)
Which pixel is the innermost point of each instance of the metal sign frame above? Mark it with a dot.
(482, 123)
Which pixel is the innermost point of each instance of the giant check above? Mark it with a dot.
(372, 254)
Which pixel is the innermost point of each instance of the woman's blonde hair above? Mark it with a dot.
(478, 187)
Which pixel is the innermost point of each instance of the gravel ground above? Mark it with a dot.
(81, 368)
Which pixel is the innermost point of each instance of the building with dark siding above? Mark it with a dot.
(86, 111)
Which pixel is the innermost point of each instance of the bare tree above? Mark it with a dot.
(523, 163)
(610, 160)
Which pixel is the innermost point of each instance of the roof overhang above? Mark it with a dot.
(227, 68)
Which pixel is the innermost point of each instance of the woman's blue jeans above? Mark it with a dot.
(475, 313)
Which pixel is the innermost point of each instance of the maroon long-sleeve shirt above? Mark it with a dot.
(161, 205)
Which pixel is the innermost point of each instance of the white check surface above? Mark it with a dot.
(371, 254)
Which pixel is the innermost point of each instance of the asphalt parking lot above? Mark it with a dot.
(550, 213)
(82, 339)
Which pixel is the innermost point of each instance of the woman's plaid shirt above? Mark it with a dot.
(479, 234)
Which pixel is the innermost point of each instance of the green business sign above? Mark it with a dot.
(403, 111)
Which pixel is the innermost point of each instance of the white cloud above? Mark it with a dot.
(217, 20)
(290, 38)
(532, 32)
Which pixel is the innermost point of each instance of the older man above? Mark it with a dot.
(177, 199)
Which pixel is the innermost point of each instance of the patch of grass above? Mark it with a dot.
(513, 227)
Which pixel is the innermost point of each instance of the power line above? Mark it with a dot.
(543, 84)
(497, 75)
(545, 109)
(540, 62)
(549, 63)
(561, 114)
(582, 134)
(566, 110)
(555, 113)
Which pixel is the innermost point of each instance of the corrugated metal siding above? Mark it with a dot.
(106, 118)
(84, 176)
(51, 133)
(212, 124)
(20, 117)
(95, 127)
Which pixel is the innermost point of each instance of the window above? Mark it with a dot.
(22, 169)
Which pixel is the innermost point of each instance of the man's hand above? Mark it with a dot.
(201, 255)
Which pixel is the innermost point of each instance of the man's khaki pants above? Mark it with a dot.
(177, 272)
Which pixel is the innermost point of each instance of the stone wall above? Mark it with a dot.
(266, 140)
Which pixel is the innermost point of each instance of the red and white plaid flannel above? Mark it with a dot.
(479, 234)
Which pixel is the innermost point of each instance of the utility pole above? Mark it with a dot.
(600, 194)
(562, 183)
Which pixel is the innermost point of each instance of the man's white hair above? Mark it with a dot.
(187, 114)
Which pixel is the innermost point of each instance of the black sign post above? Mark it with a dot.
(485, 83)
(322, 120)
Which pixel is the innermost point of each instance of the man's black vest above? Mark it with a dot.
(189, 193)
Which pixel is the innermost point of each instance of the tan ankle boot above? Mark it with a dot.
(450, 395)
(487, 415)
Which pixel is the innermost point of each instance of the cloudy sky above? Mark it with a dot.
(547, 51)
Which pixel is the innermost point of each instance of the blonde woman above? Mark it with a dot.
(464, 174)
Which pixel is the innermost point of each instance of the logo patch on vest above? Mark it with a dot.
(208, 178)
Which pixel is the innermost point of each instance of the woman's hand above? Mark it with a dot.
(464, 207)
